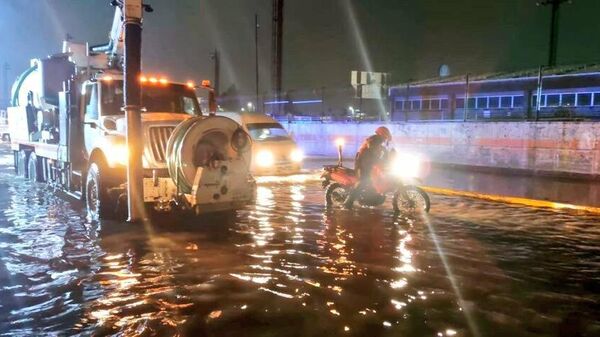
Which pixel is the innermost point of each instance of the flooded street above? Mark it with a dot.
(287, 266)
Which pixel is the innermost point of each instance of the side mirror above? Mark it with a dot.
(92, 125)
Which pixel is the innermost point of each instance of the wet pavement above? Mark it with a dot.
(287, 266)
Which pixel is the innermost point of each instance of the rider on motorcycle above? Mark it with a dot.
(371, 152)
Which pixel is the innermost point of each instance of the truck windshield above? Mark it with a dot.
(171, 98)
(267, 131)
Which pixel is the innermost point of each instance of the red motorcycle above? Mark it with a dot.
(397, 180)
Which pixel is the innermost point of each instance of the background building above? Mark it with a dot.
(566, 92)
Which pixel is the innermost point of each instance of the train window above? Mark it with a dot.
(597, 99)
(406, 105)
(518, 101)
(460, 103)
(568, 100)
(553, 100)
(471, 103)
(494, 102)
(506, 102)
(482, 103)
(584, 99)
(435, 104)
(415, 105)
(399, 105)
(444, 103)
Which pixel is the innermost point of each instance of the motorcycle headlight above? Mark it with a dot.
(297, 156)
(265, 158)
(406, 165)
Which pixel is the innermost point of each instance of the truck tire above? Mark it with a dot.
(21, 161)
(34, 168)
(98, 202)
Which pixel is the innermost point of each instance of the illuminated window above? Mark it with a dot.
(494, 102)
(597, 99)
(444, 104)
(553, 100)
(471, 103)
(584, 99)
(518, 101)
(482, 103)
(568, 100)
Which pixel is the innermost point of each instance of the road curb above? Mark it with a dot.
(513, 200)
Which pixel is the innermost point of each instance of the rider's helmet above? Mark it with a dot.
(384, 132)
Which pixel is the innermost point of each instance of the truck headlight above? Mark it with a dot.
(265, 158)
(297, 156)
(119, 154)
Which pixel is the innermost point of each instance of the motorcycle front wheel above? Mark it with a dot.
(411, 199)
(335, 195)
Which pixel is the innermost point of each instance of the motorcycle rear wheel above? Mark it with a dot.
(335, 195)
(411, 200)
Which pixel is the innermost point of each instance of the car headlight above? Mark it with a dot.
(297, 156)
(265, 158)
(406, 165)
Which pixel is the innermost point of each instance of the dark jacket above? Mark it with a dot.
(369, 154)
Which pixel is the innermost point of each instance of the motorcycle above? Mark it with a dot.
(398, 179)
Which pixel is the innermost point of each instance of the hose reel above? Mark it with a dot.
(204, 142)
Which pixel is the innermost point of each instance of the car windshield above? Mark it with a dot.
(267, 131)
(172, 98)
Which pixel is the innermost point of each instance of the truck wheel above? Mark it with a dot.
(97, 200)
(21, 161)
(34, 168)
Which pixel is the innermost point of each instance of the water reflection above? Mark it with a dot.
(287, 266)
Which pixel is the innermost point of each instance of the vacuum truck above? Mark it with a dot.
(67, 129)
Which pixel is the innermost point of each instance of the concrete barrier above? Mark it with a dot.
(562, 148)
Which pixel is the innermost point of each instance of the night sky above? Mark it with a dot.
(409, 38)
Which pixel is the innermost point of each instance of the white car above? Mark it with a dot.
(274, 152)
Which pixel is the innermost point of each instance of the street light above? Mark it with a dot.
(553, 27)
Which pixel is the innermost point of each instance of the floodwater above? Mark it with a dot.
(287, 266)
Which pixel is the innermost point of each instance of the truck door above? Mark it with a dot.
(91, 125)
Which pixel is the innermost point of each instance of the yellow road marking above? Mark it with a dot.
(513, 200)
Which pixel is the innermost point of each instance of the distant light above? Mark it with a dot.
(163, 81)
(107, 78)
(276, 102)
(143, 79)
(340, 141)
(190, 84)
(314, 101)
(153, 80)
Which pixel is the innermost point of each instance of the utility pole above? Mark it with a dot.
(132, 27)
(256, 57)
(277, 49)
(214, 56)
(552, 54)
